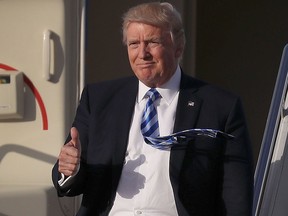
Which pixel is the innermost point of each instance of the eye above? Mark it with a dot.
(154, 43)
(133, 44)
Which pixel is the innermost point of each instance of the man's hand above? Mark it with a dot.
(69, 157)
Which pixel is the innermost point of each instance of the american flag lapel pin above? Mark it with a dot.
(190, 103)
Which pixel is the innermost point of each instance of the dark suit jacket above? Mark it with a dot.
(208, 176)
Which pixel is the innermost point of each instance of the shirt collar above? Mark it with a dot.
(167, 91)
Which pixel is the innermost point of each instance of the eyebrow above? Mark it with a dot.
(148, 39)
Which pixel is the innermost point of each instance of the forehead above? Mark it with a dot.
(136, 29)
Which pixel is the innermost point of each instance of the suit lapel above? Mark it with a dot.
(187, 110)
(186, 118)
(124, 108)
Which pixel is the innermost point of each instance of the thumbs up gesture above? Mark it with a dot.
(69, 157)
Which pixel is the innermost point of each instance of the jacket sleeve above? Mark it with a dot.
(237, 166)
(75, 186)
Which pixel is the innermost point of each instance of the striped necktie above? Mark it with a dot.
(149, 124)
(182, 138)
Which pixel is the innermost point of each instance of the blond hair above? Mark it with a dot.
(159, 14)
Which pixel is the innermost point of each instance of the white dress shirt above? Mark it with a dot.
(145, 187)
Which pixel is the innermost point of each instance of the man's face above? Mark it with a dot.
(152, 54)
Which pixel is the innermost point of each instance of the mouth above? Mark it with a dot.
(145, 65)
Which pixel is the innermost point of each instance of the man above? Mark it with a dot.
(107, 159)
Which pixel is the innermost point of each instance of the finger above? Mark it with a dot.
(74, 136)
(69, 155)
(69, 151)
(67, 172)
(66, 167)
(68, 163)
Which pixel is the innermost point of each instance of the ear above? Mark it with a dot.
(179, 51)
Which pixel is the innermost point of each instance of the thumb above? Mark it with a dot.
(75, 138)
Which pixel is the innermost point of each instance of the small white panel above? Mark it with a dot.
(11, 95)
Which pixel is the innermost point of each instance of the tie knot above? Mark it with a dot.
(153, 94)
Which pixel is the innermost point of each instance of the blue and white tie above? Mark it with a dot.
(180, 139)
(149, 124)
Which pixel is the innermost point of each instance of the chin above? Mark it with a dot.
(150, 83)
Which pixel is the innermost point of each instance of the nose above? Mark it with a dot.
(144, 51)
